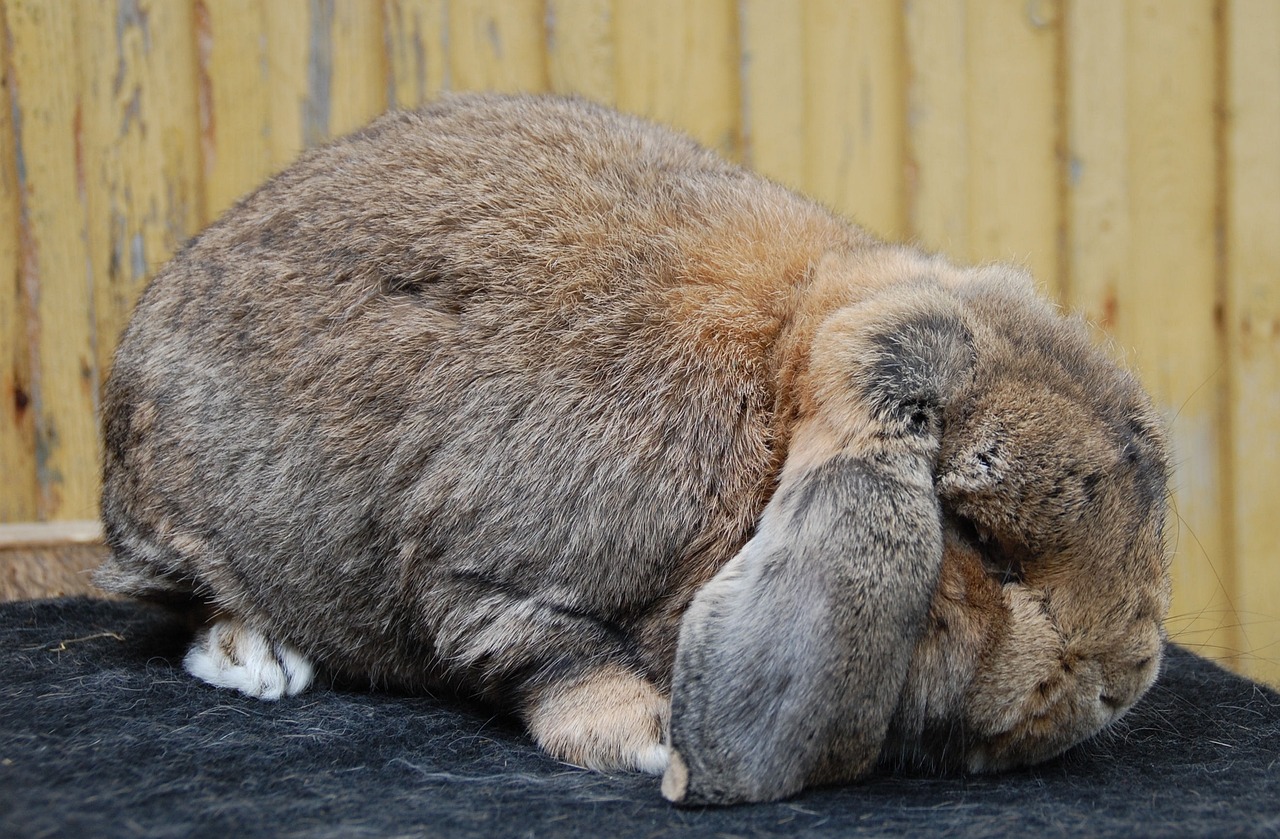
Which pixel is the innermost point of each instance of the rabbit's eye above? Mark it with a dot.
(1002, 564)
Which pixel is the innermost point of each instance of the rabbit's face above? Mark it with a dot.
(1046, 625)
(963, 564)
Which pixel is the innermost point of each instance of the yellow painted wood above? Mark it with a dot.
(773, 89)
(938, 126)
(140, 150)
(855, 112)
(236, 108)
(580, 48)
(17, 423)
(359, 65)
(1253, 321)
(416, 51)
(1141, 198)
(1014, 201)
(678, 64)
(1171, 291)
(297, 92)
(1098, 188)
(497, 45)
(55, 259)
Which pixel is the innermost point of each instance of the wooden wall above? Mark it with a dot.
(1127, 150)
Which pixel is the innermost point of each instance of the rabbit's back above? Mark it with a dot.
(487, 375)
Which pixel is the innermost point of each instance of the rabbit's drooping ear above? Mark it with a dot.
(791, 659)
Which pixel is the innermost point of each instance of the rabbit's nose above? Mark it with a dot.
(1123, 686)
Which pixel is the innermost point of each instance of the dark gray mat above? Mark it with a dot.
(103, 734)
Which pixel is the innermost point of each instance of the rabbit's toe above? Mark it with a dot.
(611, 719)
(231, 655)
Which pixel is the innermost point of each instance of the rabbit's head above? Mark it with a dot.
(963, 564)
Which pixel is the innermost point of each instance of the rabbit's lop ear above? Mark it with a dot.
(791, 659)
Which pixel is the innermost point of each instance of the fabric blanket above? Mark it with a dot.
(103, 734)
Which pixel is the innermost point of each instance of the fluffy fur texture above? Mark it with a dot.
(481, 397)
(103, 735)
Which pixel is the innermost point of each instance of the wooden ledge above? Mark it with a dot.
(49, 559)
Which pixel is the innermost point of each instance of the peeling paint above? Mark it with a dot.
(494, 36)
(316, 107)
(138, 257)
(129, 15)
(132, 111)
(204, 82)
(1075, 170)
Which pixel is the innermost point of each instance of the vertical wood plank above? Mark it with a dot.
(678, 64)
(299, 76)
(358, 65)
(416, 51)
(141, 149)
(1141, 205)
(938, 126)
(580, 48)
(497, 45)
(1098, 188)
(55, 265)
(1171, 296)
(773, 89)
(1253, 321)
(1014, 201)
(855, 116)
(234, 100)
(17, 416)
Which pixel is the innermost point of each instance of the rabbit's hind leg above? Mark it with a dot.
(607, 719)
(230, 654)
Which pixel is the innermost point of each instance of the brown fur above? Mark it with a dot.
(484, 395)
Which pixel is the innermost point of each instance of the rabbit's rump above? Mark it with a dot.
(482, 396)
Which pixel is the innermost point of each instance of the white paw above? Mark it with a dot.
(653, 760)
(231, 655)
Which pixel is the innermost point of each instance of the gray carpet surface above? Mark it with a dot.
(103, 734)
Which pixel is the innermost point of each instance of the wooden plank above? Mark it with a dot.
(1253, 322)
(359, 65)
(141, 149)
(678, 64)
(854, 56)
(53, 559)
(497, 45)
(1098, 188)
(17, 419)
(236, 107)
(1171, 293)
(50, 534)
(773, 89)
(1140, 198)
(297, 101)
(418, 70)
(580, 48)
(1014, 196)
(938, 126)
(55, 259)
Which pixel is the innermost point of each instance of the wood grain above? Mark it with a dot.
(581, 58)
(54, 263)
(17, 416)
(1253, 324)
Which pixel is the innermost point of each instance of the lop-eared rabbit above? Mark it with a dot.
(524, 399)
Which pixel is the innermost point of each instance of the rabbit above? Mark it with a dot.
(530, 401)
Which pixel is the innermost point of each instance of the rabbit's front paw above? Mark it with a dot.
(231, 655)
(611, 719)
